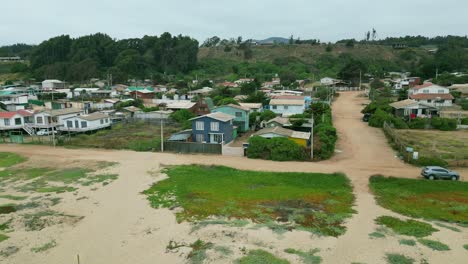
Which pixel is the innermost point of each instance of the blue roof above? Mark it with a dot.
(181, 136)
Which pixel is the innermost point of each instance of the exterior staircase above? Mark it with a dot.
(28, 128)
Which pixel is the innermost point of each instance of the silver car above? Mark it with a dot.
(436, 172)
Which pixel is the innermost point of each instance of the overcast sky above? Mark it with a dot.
(32, 21)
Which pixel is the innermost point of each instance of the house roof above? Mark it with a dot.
(180, 105)
(283, 132)
(234, 106)
(65, 111)
(281, 120)
(286, 102)
(218, 116)
(132, 109)
(288, 97)
(251, 105)
(7, 114)
(426, 85)
(181, 136)
(445, 96)
(93, 116)
(25, 112)
(406, 103)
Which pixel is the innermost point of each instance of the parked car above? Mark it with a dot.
(45, 132)
(436, 172)
(366, 117)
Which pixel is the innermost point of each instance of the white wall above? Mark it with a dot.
(291, 109)
(12, 122)
(90, 125)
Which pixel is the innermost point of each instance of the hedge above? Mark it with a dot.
(444, 124)
(278, 149)
(430, 161)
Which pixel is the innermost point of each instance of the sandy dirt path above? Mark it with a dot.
(120, 227)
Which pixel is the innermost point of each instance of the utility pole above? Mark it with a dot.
(162, 135)
(312, 139)
(360, 79)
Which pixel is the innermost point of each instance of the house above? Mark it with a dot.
(84, 123)
(253, 107)
(49, 85)
(405, 83)
(179, 105)
(54, 118)
(244, 80)
(287, 106)
(240, 113)
(229, 84)
(14, 102)
(11, 120)
(431, 94)
(131, 110)
(462, 88)
(301, 138)
(213, 128)
(412, 108)
(142, 94)
(327, 81)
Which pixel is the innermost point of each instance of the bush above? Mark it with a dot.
(444, 124)
(279, 149)
(418, 123)
(464, 121)
(379, 118)
(408, 228)
(430, 161)
(434, 245)
(324, 141)
(399, 123)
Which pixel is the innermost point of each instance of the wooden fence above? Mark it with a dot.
(192, 147)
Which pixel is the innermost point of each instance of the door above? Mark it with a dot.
(216, 138)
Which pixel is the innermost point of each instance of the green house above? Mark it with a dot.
(240, 113)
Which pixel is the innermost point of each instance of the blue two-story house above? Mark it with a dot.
(213, 128)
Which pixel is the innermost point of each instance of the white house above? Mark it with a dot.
(15, 120)
(14, 102)
(431, 94)
(327, 81)
(83, 123)
(54, 118)
(253, 107)
(49, 85)
(413, 108)
(288, 106)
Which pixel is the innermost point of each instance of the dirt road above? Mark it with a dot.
(120, 227)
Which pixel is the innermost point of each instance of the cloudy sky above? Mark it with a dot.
(32, 21)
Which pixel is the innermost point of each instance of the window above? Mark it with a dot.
(429, 100)
(107, 120)
(199, 138)
(84, 124)
(440, 91)
(286, 107)
(69, 123)
(214, 126)
(274, 107)
(77, 124)
(199, 125)
(217, 138)
(425, 91)
(18, 121)
(238, 114)
(102, 121)
(39, 120)
(7, 122)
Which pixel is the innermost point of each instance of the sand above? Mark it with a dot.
(119, 226)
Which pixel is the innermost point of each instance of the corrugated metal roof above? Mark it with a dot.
(286, 102)
(218, 116)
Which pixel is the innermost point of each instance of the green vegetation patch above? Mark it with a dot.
(307, 257)
(295, 200)
(260, 257)
(3, 237)
(440, 200)
(44, 247)
(376, 235)
(198, 253)
(454, 229)
(434, 245)
(407, 242)
(407, 228)
(465, 246)
(398, 259)
(8, 159)
(13, 197)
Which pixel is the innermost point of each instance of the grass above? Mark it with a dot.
(104, 178)
(44, 247)
(3, 237)
(198, 253)
(138, 136)
(40, 220)
(434, 245)
(376, 235)
(408, 228)
(448, 145)
(260, 257)
(5, 225)
(441, 200)
(398, 259)
(13, 197)
(225, 251)
(407, 242)
(307, 257)
(454, 229)
(8, 159)
(311, 201)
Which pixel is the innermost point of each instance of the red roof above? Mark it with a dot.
(424, 85)
(25, 112)
(7, 114)
(445, 96)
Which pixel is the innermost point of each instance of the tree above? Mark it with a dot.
(227, 100)
(352, 71)
(376, 84)
(183, 117)
(350, 43)
(267, 115)
(329, 47)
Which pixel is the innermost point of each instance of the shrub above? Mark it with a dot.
(418, 123)
(279, 149)
(379, 118)
(444, 124)
(464, 121)
(398, 123)
(407, 242)
(324, 141)
(430, 161)
(398, 259)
